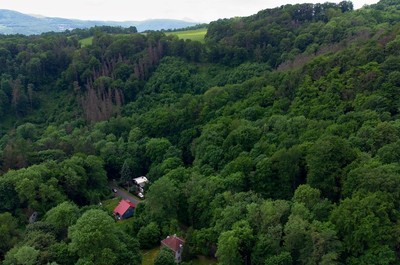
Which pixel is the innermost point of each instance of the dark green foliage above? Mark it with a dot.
(62, 216)
(126, 174)
(274, 142)
(282, 259)
(149, 236)
(162, 199)
(8, 232)
(354, 214)
(326, 160)
(165, 257)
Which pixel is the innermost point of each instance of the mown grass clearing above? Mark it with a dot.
(148, 256)
(110, 204)
(86, 42)
(195, 35)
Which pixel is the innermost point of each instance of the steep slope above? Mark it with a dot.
(249, 163)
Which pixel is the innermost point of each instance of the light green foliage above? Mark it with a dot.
(95, 238)
(24, 255)
(61, 254)
(156, 149)
(378, 255)
(165, 257)
(62, 216)
(196, 190)
(37, 187)
(389, 153)
(8, 232)
(326, 160)
(374, 177)
(228, 249)
(40, 236)
(162, 199)
(84, 174)
(149, 236)
(326, 245)
(356, 217)
(173, 75)
(235, 245)
(93, 232)
(283, 258)
(307, 195)
(297, 236)
(273, 213)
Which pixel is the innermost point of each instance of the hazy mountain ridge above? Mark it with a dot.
(12, 22)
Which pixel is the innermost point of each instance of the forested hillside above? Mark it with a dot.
(13, 22)
(276, 141)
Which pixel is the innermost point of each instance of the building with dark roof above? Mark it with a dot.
(175, 244)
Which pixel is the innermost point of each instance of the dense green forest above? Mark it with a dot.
(276, 141)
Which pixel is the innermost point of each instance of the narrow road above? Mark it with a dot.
(124, 194)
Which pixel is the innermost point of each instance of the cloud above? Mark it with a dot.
(202, 11)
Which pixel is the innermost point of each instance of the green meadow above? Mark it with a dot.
(148, 257)
(195, 35)
(86, 42)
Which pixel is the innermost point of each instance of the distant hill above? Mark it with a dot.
(12, 22)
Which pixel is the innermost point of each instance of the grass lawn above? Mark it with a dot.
(195, 35)
(148, 256)
(86, 41)
(110, 204)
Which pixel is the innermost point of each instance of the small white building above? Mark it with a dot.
(140, 181)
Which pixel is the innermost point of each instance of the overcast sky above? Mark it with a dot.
(122, 10)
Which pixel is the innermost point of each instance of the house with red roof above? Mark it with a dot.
(124, 210)
(175, 244)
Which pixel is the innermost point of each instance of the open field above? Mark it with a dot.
(195, 35)
(148, 256)
(86, 42)
(110, 204)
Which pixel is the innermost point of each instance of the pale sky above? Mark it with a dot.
(123, 10)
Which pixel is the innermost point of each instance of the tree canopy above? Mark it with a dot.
(274, 141)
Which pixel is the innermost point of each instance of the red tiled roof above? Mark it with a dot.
(123, 206)
(173, 242)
